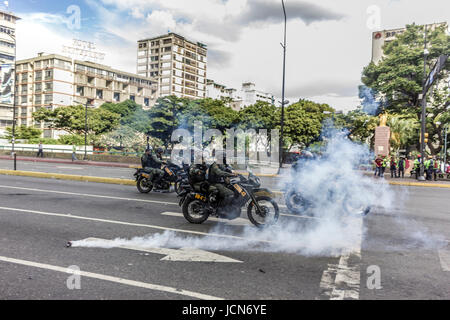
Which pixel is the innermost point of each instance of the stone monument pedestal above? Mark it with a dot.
(382, 137)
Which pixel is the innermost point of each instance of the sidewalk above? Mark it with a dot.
(68, 161)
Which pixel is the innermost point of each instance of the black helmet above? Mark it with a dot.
(159, 150)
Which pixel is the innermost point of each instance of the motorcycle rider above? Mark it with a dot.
(305, 156)
(151, 162)
(217, 176)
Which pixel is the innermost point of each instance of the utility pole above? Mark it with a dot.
(283, 87)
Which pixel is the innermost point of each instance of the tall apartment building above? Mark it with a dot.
(380, 38)
(52, 81)
(177, 63)
(7, 57)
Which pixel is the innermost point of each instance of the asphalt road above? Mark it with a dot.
(39, 216)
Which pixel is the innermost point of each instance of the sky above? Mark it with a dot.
(328, 41)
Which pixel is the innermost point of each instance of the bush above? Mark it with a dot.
(71, 139)
(44, 141)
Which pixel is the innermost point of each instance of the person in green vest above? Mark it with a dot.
(393, 166)
(417, 164)
(384, 165)
(74, 153)
(429, 167)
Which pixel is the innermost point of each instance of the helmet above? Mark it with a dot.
(307, 154)
(159, 150)
(419, 156)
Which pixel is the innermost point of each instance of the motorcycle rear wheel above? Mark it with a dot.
(143, 186)
(296, 203)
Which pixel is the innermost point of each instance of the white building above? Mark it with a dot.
(178, 64)
(380, 38)
(7, 57)
(238, 99)
(51, 81)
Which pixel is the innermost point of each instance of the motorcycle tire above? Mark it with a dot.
(295, 208)
(188, 207)
(142, 186)
(251, 210)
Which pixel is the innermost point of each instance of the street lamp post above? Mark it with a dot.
(424, 110)
(283, 87)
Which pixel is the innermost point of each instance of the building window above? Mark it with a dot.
(48, 98)
(48, 86)
(132, 98)
(38, 87)
(146, 102)
(48, 74)
(99, 94)
(116, 96)
(80, 91)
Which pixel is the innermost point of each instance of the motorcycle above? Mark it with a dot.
(297, 203)
(144, 185)
(182, 178)
(262, 210)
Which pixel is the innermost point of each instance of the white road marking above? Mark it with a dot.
(444, 257)
(236, 222)
(182, 254)
(342, 281)
(133, 224)
(112, 279)
(89, 195)
(125, 199)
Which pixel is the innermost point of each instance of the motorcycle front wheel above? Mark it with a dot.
(143, 185)
(194, 211)
(269, 215)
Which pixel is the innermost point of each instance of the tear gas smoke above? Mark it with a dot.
(331, 183)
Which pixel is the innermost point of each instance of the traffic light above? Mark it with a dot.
(426, 137)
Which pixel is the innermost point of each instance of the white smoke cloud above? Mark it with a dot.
(338, 192)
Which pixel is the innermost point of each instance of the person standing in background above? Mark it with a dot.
(74, 153)
(40, 150)
(384, 165)
(378, 165)
(401, 167)
(393, 167)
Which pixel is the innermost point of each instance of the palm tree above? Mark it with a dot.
(403, 129)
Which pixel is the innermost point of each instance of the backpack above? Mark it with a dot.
(197, 173)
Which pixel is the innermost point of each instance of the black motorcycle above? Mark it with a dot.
(262, 210)
(298, 203)
(182, 178)
(144, 185)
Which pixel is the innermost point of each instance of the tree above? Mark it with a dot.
(303, 124)
(125, 138)
(404, 131)
(131, 115)
(72, 119)
(261, 115)
(359, 125)
(397, 79)
(23, 132)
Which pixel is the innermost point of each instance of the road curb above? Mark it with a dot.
(419, 184)
(130, 182)
(68, 177)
